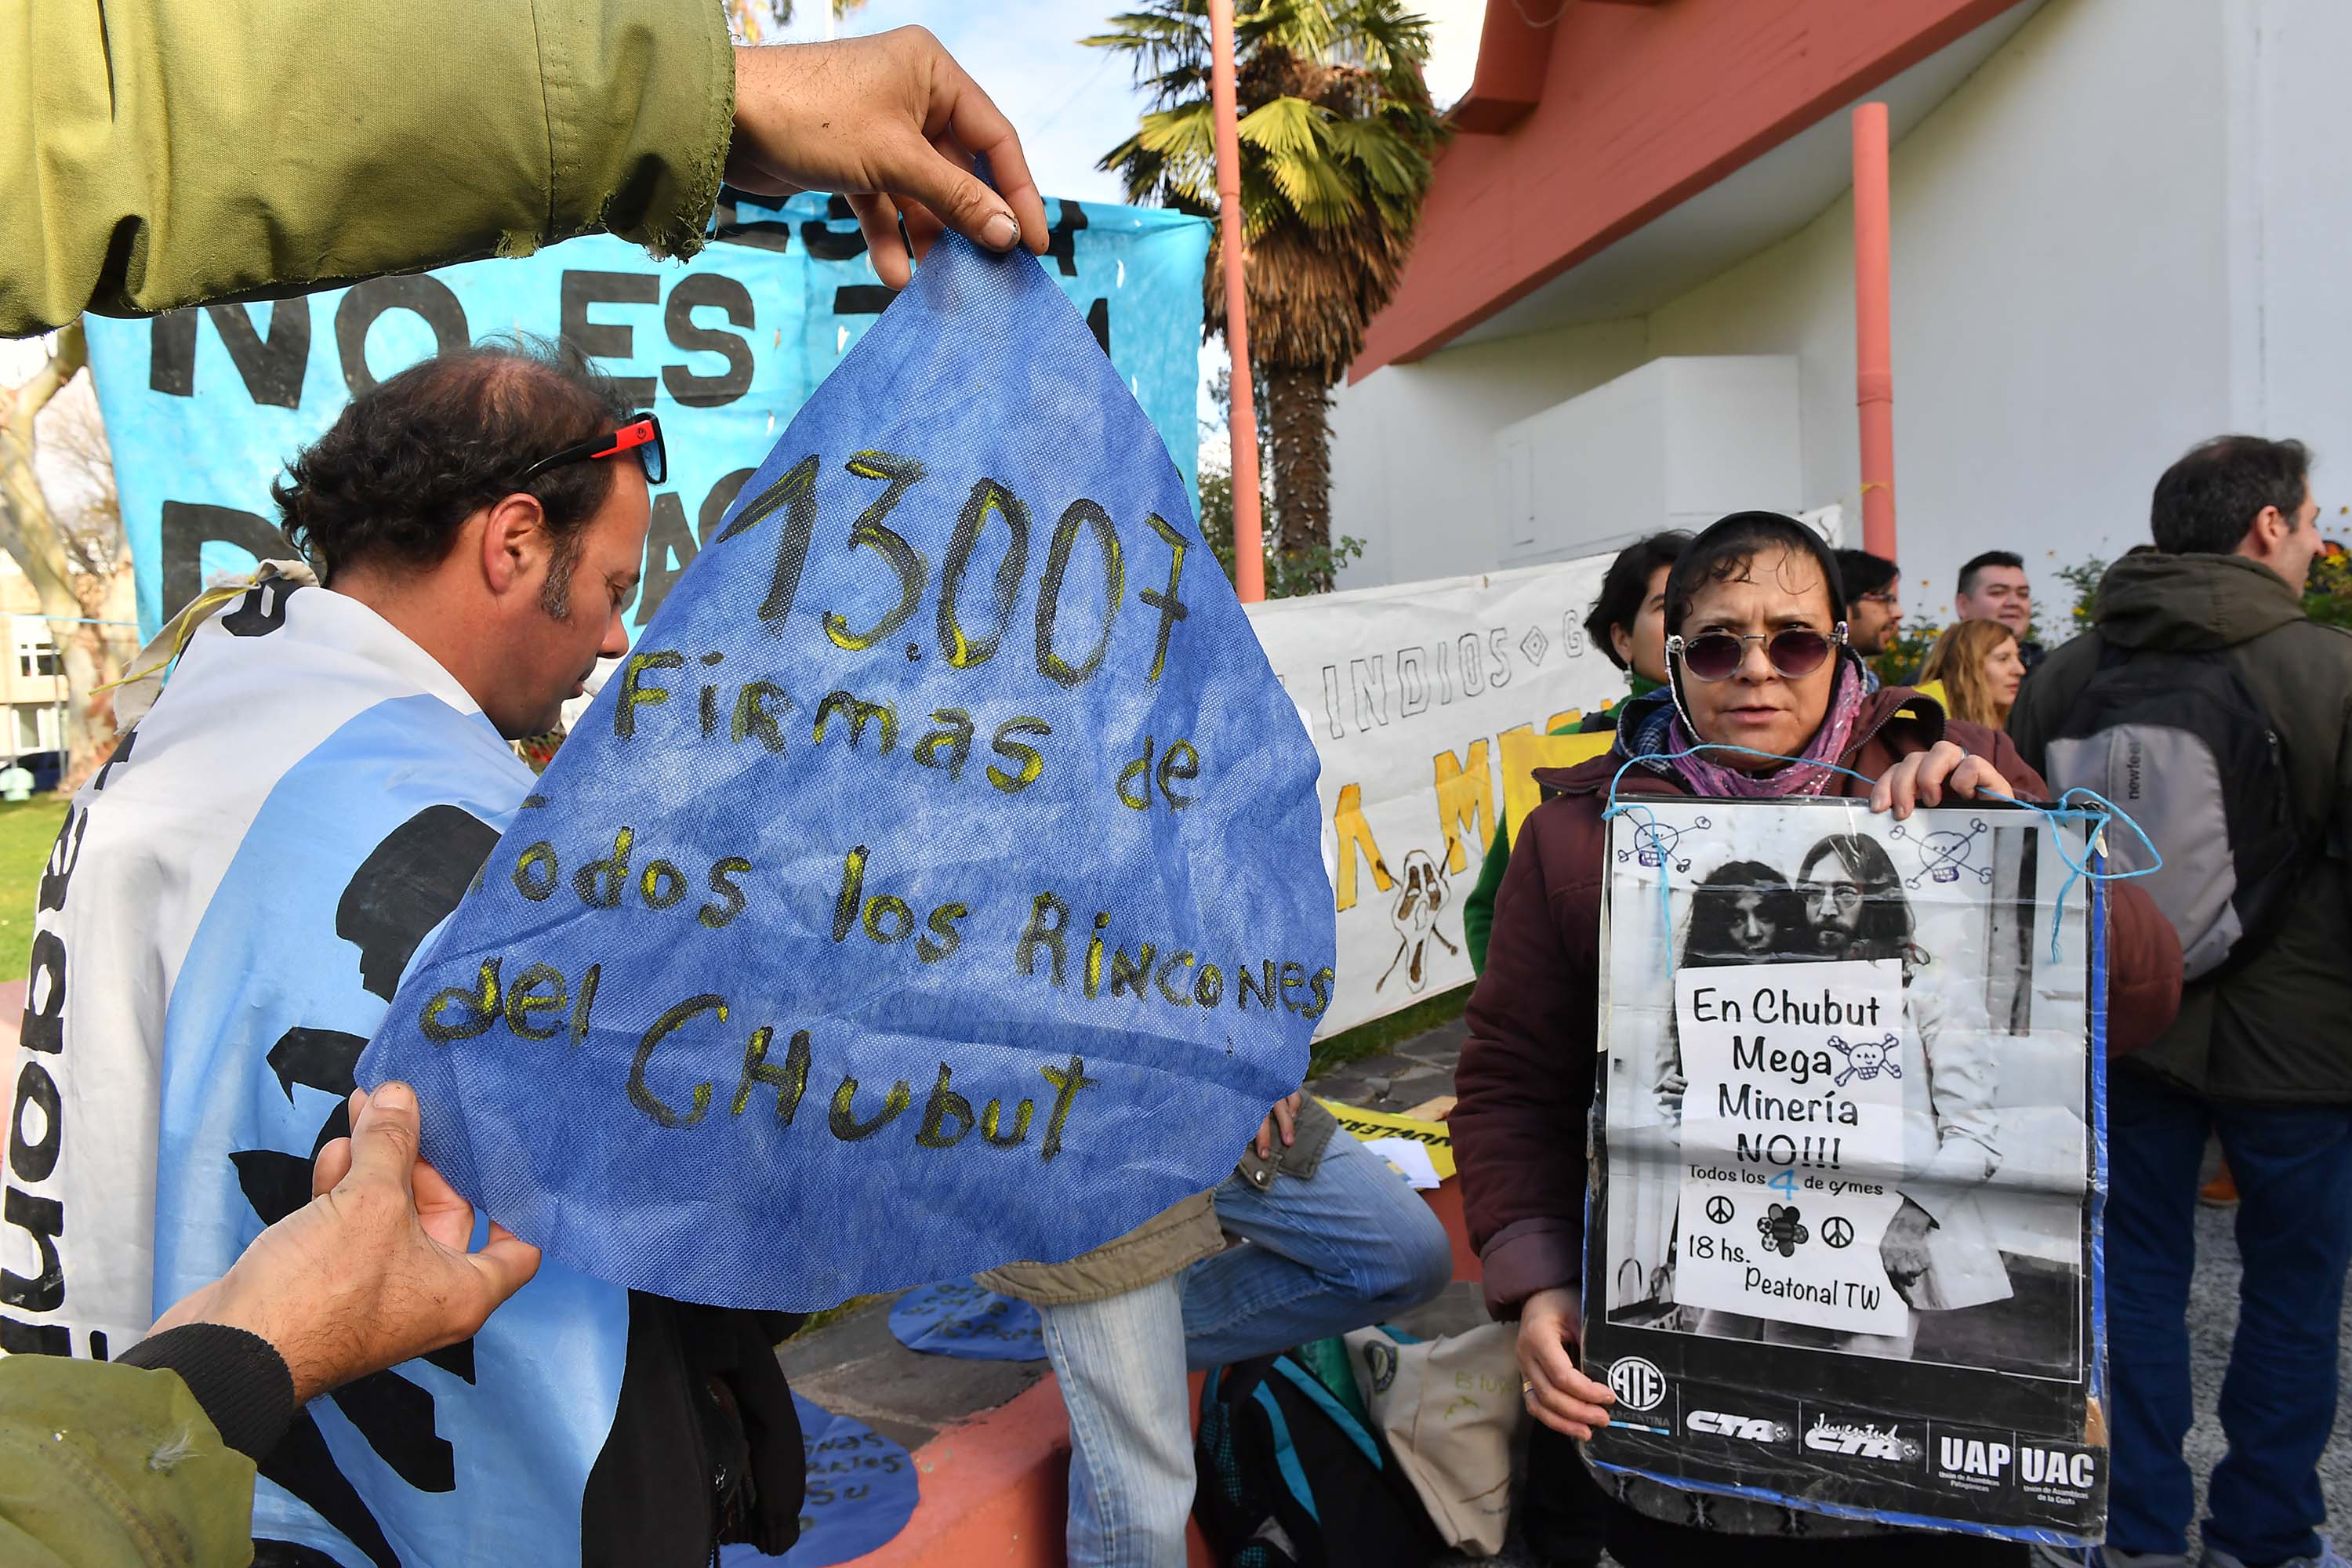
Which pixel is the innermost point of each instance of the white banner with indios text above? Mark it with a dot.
(1408, 691)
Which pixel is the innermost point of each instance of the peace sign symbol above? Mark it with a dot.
(1839, 1231)
(1718, 1209)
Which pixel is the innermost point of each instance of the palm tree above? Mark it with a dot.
(1336, 133)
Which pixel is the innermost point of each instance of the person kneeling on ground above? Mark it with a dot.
(1329, 1239)
(1526, 1079)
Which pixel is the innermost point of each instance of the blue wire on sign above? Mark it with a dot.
(2064, 809)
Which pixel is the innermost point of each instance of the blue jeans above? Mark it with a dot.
(2293, 1165)
(1322, 1257)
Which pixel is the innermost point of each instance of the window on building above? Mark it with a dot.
(36, 727)
(35, 654)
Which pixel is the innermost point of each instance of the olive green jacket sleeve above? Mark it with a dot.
(155, 153)
(104, 1464)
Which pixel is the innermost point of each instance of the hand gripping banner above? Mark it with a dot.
(936, 884)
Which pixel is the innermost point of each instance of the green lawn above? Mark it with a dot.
(27, 828)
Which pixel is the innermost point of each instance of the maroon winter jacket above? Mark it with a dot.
(1526, 1080)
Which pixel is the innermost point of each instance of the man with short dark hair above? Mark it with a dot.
(2258, 1055)
(1993, 587)
(1873, 601)
(228, 916)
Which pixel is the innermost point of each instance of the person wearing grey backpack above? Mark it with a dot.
(2219, 716)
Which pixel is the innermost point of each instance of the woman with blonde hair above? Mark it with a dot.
(1980, 667)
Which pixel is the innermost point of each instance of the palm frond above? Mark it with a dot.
(1285, 128)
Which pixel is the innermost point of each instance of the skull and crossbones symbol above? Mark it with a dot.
(1943, 854)
(1653, 844)
(1865, 1060)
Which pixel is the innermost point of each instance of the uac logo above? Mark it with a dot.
(1653, 845)
(1865, 1060)
(1944, 854)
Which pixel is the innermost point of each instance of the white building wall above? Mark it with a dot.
(2291, 235)
(1413, 470)
(2074, 290)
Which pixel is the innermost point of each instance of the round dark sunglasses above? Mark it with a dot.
(1717, 655)
(642, 435)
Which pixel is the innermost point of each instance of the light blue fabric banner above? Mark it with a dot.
(203, 406)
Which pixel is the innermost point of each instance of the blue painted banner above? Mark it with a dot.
(203, 406)
(936, 883)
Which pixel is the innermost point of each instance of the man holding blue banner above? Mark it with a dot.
(238, 893)
(301, 730)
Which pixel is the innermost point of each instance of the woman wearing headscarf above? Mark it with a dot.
(1758, 676)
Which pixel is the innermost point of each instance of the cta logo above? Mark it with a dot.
(1749, 1429)
(1860, 1440)
(1639, 1383)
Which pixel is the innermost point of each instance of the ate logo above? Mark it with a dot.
(1751, 1428)
(1864, 1440)
(1638, 1383)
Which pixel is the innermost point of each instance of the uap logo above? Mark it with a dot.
(1943, 854)
(1865, 1060)
(1638, 1383)
(1653, 844)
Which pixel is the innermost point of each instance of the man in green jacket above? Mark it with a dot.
(1627, 622)
(166, 153)
(149, 1459)
(2259, 1055)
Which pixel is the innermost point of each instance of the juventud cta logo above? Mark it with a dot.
(1865, 1441)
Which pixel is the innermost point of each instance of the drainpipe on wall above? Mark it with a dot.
(1249, 537)
(1873, 329)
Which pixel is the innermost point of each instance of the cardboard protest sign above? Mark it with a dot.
(1842, 1251)
(936, 884)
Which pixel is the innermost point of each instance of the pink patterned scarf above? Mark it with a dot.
(1828, 745)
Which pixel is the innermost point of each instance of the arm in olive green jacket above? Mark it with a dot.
(155, 153)
(104, 1464)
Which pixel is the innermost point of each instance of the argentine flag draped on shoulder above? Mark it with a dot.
(225, 918)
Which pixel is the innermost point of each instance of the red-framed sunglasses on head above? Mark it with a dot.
(642, 435)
